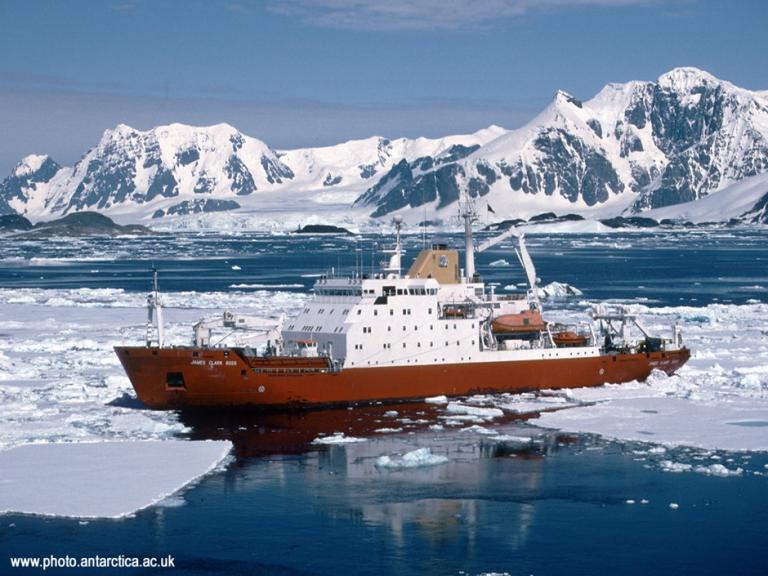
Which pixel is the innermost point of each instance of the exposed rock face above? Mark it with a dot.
(31, 173)
(665, 142)
(197, 206)
(130, 167)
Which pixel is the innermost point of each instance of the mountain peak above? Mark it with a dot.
(562, 97)
(30, 164)
(686, 77)
(122, 128)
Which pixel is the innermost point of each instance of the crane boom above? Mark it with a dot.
(491, 242)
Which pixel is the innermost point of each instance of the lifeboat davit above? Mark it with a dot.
(522, 324)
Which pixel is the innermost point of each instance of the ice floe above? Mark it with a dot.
(337, 438)
(719, 400)
(711, 470)
(480, 412)
(60, 379)
(413, 459)
(101, 479)
(558, 290)
(499, 263)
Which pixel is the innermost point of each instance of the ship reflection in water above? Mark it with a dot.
(444, 503)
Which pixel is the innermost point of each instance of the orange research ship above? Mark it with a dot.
(435, 330)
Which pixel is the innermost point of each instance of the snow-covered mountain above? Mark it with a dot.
(634, 147)
(178, 169)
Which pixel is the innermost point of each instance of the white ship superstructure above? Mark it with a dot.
(436, 313)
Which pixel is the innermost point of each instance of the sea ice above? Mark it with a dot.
(60, 379)
(413, 459)
(558, 290)
(480, 430)
(499, 263)
(101, 479)
(718, 400)
(474, 411)
(337, 438)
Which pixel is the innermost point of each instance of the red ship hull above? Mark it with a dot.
(175, 378)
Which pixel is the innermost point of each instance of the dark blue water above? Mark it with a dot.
(285, 506)
(669, 268)
(557, 509)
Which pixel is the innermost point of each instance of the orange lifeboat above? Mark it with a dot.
(568, 338)
(523, 324)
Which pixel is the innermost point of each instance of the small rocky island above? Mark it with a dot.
(77, 224)
(322, 229)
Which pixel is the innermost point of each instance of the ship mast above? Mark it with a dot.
(468, 213)
(155, 312)
(394, 268)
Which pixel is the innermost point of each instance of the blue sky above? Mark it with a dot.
(301, 72)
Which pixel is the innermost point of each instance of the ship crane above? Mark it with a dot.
(264, 329)
(522, 255)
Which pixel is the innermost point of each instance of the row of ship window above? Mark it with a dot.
(366, 329)
(388, 346)
(322, 311)
(388, 291)
(392, 291)
(337, 292)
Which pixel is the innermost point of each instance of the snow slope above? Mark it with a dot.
(730, 202)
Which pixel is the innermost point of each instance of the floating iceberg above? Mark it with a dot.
(558, 290)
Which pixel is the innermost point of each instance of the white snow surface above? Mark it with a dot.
(101, 479)
(30, 164)
(730, 202)
(717, 401)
